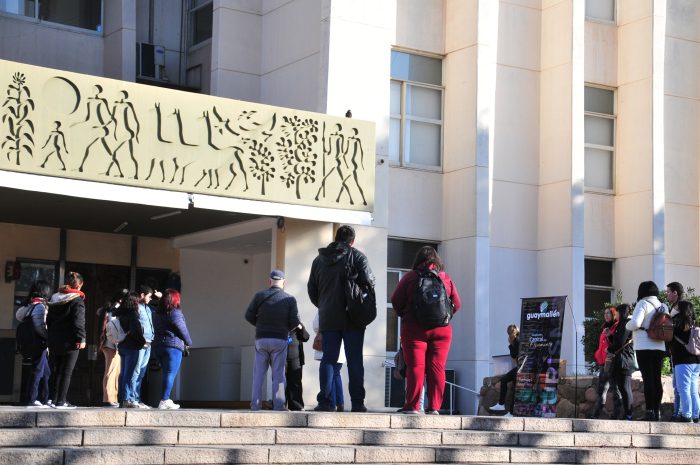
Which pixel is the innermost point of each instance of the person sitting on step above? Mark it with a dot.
(514, 348)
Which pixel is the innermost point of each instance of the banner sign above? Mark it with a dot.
(538, 359)
(70, 125)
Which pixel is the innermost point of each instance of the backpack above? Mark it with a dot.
(693, 345)
(28, 342)
(114, 332)
(431, 305)
(361, 301)
(661, 326)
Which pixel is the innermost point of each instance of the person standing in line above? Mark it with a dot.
(170, 342)
(274, 314)
(130, 348)
(686, 366)
(146, 320)
(37, 393)
(293, 372)
(337, 398)
(650, 352)
(423, 349)
(514, 349)
(623, 362)
(110, 379)
(604, 359)
(674, 294)
(326, 288)
(66, 328)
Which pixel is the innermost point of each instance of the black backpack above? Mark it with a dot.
(431, 305)
(28, 342)
(361, 301)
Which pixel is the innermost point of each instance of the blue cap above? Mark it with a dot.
(277, 275)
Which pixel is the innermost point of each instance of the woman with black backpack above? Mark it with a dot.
(686, 366)
(33, 343)
(621, 348)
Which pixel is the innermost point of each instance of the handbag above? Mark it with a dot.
(186, 352)
(317, 344)
(361, 301)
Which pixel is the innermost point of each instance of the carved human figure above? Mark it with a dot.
(58, 140)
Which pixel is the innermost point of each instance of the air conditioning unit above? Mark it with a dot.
(395, 390)
(150, 61)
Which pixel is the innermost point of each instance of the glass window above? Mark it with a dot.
(602, 10)
(201, 20)
(599, 136)
(415, 131)
(83, 14)
(598, 284)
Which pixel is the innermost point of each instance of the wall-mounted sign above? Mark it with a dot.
(77, 126)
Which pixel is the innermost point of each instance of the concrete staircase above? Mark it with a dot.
(116, 436)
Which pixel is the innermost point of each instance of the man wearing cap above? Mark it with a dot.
(274, 313)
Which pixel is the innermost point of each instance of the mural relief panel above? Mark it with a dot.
(83, 127)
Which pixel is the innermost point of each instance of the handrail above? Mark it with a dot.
(452, 386)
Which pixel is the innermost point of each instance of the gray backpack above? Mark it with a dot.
(693, 344)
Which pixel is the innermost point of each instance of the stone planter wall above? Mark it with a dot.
(585, 394)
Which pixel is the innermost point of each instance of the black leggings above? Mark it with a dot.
(650, 362)
(62, 364)
(621, 381)
(505, 379)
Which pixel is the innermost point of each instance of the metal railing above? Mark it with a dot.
(452, 389)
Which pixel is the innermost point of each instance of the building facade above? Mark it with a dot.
(546, 147)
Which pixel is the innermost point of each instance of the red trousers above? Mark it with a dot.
(425, 352)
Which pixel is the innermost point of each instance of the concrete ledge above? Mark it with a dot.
(397, 437)
(312, 454)
(81, 417)
(402, 421)
(354, 420)
(226, 436)
(668, 457)
(216, 455)
(394, 455)
(196, 418)
(17, 419)
(473, 455)
(548, 424)
(596, 456)
(479, 438)
(664, 427)
(31, 456)
(129, 436)
(602, 440)
(40, 437)
(307, 436)
(493, 423)
(114, 456)
(263, 418)
(610, 426)
(667, 441)
(543, 455)
(545, 440)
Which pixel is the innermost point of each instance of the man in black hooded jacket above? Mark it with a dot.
(326, 289)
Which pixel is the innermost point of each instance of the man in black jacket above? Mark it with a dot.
(326, 289)
(274, 314)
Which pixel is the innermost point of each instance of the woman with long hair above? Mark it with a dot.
(129, 349)
(36, 306)
(110, 379)
(623, 362)
(686, 366)
(424, 349)
(66, 327)
(170, 342)
(650, 352)
(604, 359)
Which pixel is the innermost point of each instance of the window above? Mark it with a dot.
(415, 134)
(201, 14)
(601, 10)
(399, 260)
(599, 135)
(598, 284)
(83, 14)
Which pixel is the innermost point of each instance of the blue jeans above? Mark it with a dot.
(686, 375)
(38, 388)
(140, 372)
(327, 371)
(129, 361)
(336, 396)
(269, 352)
(170, 360)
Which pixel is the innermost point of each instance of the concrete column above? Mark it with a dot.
(120, 39)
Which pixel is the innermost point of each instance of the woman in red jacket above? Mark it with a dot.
(424, 350)
(605, 359)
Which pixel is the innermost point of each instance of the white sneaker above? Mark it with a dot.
(37, 404)
(498, 408)
(168, 405)
(143, 406)
(509, 415)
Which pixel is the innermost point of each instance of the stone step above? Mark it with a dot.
(325, 454)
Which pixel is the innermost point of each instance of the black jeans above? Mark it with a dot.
(294, 391)
(505, 379)
(650, 362)
(38, 387)
(62, 362)
(622, 381)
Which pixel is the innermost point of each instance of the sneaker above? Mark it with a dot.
(36, 404)
(432, 412)
(340, 408)
(65, 405)
(508, 415)
(143, 406)
(49, 403)
(168, 405)
(498, 408)
(130, 404)
(696, 420)
(324, 408)
(682, 419)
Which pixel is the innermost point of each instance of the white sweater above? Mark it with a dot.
(641, 318)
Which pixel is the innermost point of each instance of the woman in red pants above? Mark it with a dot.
(425, 349)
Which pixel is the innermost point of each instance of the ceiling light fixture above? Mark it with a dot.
(121, 226)
(166, 215)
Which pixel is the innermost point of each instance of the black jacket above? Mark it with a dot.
(624, 353)
(273, 312)
(66, 321)
(295, 350)
(326, 284)
(679, 355)
(131, 325)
